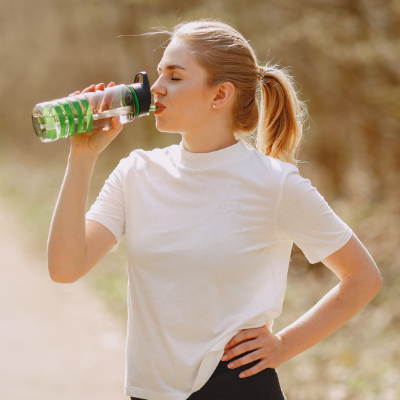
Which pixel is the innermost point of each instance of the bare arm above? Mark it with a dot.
(75, 247)
(360, 283)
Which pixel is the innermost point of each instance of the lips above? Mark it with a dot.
(159, 105)
(160, 108)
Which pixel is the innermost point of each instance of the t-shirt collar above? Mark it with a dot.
(214, 158)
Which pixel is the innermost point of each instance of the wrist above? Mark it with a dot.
(285, 353)
(82, 157)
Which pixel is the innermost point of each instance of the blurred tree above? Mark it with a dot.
(345, 54)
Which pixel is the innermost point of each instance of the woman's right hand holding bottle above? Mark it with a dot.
(95, 141)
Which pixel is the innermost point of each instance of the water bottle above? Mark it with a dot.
(73, 115)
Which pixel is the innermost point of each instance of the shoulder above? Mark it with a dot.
(140, 159)
(272, 166)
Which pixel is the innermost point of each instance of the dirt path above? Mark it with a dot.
(57, 341)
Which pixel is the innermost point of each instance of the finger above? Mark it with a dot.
(259, 341)
(243, 335)
(115, 128)
(116, 122)
(95, 100)
(240, 349)
(91, 88)
(108, 98)
(255, 369)
(248, 358)
(75, 93)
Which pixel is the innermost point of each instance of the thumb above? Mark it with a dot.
(116, 122)
(115, 128)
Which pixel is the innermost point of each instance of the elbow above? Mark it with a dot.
(369, 283)
(61, 279)
(378, 286)
(58, 274)
(379, 283)
(375, 284)
(62, 269)
(373, 279)
(377, 279)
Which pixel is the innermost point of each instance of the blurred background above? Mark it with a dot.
(345, 55)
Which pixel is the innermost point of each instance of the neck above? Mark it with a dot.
(207, 143)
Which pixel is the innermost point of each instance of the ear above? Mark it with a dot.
(224, 94)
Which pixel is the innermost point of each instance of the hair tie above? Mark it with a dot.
(261, 72)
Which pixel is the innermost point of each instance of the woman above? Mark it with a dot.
(209, 227)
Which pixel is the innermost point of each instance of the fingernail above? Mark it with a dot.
(242, 375)
(231, 365)
(224, 358)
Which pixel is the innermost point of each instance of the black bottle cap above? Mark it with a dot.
(142, 90)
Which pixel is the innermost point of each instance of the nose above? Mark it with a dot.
(158, 88)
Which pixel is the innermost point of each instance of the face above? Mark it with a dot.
(181, 87)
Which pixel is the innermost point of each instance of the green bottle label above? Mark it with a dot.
(136, 101)
(47, 119)
(70, 115)
(80, 127)
(61, 119)
(88, 112)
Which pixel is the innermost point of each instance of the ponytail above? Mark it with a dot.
(227, 56)
(282, 115)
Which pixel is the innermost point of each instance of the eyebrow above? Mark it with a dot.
(171, 67)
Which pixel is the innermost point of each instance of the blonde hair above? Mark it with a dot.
(274, 107)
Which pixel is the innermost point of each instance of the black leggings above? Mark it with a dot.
(225, 384)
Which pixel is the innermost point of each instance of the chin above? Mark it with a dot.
(162, 127)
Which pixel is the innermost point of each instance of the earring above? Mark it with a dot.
(214, 105)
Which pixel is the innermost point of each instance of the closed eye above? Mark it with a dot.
(175, 79)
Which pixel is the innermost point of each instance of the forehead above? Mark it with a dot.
(177, 53)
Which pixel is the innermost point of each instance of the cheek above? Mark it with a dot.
(193, 104)
(188, 94)
(187, 105)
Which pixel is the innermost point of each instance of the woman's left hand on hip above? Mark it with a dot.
(265, 346)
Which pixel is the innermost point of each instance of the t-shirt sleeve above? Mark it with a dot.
(109, 207)
(304, 217)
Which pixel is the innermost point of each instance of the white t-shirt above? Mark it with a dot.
(208, 238)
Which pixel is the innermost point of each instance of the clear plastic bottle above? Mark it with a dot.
(73, 115)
